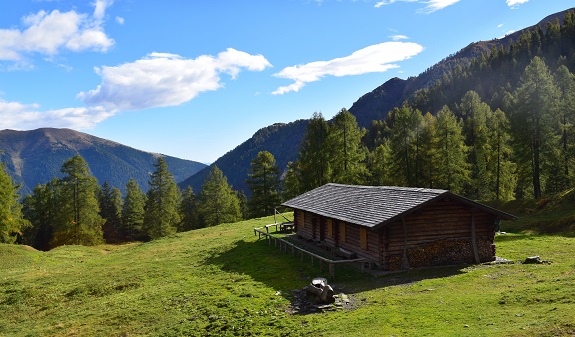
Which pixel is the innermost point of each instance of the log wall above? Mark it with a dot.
(438, 234)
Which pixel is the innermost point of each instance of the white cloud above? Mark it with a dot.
(49, 33)
(500, 25)
(399, 37)
(162, 79)
(19, 116)
(515, 3)
(375, 58)
(431, 5)
(120, 20)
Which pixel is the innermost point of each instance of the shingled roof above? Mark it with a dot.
(372, 206)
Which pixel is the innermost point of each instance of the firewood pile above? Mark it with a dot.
(445, 252)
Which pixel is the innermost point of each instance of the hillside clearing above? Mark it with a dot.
(223, 281)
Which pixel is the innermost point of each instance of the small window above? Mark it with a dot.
(342, 232)
(363, 238)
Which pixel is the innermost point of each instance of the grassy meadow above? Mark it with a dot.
(223, 281)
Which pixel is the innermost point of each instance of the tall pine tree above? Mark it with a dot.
(218, 202)
(133, 211)
(161, 216)
(77, 220)
(263, 181)
(346, 151)
(11, 219)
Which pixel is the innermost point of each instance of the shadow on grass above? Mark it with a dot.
(281, 271)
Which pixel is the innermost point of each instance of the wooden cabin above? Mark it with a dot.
(397, 227)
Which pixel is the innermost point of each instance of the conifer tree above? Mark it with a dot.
(501, 168)
(531, 119)
(379, 161)
(346, 151)
(218, 203)
(427, 152)
(313, 154)
(565, 82)
(188, 210)
(263, 181)
(39, 209)
(77, 220)
(110, 202)
(133, 211)
(292, 181)
(476, 114)
(161, 216)
(11, 219)
(452, 169)
(404, 144)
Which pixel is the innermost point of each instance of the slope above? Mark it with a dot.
(223, 281)
(372, 106)
(35, 157)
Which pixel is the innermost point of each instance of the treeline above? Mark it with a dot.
(522, 151)
(75, 210)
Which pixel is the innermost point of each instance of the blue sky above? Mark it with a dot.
(194, 79)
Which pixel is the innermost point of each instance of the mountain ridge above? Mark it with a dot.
(35, 157)
(371, 106)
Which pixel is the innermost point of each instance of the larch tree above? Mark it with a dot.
(314, 155)
(133, 211)
(346, 151)
(161, 216)
(565, 82)
(501, 168)
(452, 169)
(263, 180)
(291, 187)
(427, 152)
(39, 208)
(218, 202)
(188, 210)
(77, 220)
(404, 143)
(379, 164)
(476, 113)
(11, 219)
(110, 202)
(532, 118)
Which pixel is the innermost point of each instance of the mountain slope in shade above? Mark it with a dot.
(281, 140)
(35, 157)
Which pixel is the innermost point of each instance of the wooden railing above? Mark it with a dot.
(287, 246)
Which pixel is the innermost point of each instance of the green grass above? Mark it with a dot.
(223, 281)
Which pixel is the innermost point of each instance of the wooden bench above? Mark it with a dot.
(346, 253)
(285, 226)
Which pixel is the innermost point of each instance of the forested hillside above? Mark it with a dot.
(281, 140)
(444, 83)
(35, 157)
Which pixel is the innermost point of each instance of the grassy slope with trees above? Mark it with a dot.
(222, 280)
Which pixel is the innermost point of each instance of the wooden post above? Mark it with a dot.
(292, 251)
(404, 259)
(332, 270)
(474, 237)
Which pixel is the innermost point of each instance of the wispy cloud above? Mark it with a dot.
(49, 33)
(20, 116)
(431, 5)
(399, 37)
(162, 79)
(515, 3)
(372, 59)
